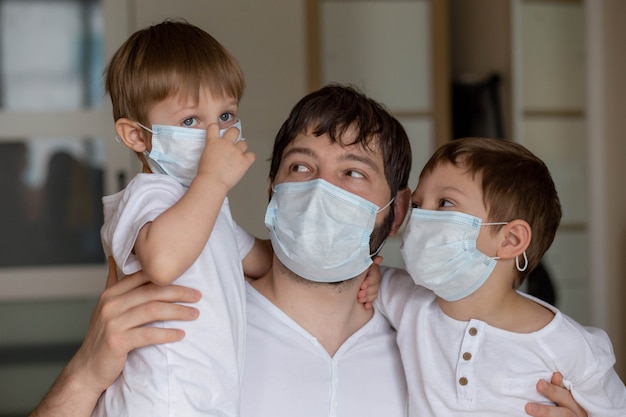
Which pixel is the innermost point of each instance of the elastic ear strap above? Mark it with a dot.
(522, 269)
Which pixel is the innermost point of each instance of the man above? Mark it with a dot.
(312, 349)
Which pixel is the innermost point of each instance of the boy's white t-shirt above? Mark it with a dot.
(457, 368)
(200, 375)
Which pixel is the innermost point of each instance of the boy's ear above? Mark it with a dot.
(516, 238)
(400, 207)
(131, 134)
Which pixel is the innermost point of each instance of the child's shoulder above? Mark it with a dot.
(399, 280)
(145, 184)
(565, 333)
(145, 189)
(153, 180)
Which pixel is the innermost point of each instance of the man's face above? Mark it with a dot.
(357, 170)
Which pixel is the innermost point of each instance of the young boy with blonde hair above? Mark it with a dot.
(484, 213)
(175, 92)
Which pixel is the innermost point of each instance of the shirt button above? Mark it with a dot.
(467, 356)
(463, 381)
(473, 331)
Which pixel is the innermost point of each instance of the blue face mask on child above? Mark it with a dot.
(176, 150)
(321, 232)
(439, 252)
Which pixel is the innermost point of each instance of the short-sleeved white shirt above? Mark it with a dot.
(200, 375)
(288, 373)
(457, 368)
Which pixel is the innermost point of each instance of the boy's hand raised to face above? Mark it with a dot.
(224, 161)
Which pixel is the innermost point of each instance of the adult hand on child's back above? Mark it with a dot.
(117, 323)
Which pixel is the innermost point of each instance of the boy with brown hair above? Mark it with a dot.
(175, 92)
(484, 213)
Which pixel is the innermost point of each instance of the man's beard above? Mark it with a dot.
(381, 232)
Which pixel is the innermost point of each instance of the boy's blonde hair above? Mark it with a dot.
(170, 58)
(515, 183)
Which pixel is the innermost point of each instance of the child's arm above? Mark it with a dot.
(369, 287)
(259, 260)
(168, 246)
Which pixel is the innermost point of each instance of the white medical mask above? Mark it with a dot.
(176, 150)
(319, 231)
(440, 253)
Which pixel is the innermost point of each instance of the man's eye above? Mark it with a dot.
(299, 168)
(415, 205)
(355, 174)
(445, 203)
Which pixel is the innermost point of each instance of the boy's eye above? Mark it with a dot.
(415, 205)
(445, 203)
(226, 117)
(189, 122)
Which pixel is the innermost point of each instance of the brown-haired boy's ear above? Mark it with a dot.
(400, 207)
(516, 238)
(131, 134)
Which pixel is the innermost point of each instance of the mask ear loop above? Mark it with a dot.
(522, 269)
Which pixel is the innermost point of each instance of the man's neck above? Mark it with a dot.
(329, 312)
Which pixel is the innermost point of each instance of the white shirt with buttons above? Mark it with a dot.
(457, 368)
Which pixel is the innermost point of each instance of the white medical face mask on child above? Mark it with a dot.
(439, 252)
(320, 231)
(176, 150)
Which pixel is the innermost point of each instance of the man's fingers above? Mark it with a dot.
(146, 313)
(136, 289)
(112, 276)
(137, 335)
(146, 336)
(557, 379)
(553, 390)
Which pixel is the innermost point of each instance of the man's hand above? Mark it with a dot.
(116, 328)
(555, 392)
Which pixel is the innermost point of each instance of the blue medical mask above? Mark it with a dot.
(176, 150)
(319, 231)
(439, 252)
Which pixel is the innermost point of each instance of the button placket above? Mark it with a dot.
(334, 387)
(472, 338)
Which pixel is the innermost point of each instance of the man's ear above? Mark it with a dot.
(516, 237)
(131, 134)
(400, 207)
